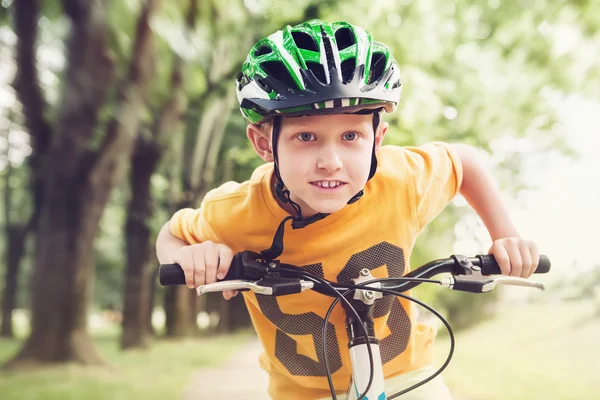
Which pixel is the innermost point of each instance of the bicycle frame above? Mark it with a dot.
(359, 357)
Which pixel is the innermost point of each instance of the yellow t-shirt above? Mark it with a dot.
(411, 187)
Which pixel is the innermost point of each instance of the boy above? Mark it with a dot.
(312, 95)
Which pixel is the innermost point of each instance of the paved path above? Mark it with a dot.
(240, 377)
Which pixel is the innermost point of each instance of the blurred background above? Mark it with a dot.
(114, 114)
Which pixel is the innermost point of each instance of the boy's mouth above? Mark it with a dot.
(328, 185)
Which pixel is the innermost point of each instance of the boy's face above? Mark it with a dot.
(323, 160)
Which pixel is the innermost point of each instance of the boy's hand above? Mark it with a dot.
(515, 256)
(204, 263)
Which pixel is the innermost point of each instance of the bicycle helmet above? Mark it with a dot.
(317, 68)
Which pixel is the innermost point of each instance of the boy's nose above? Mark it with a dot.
(329, 159)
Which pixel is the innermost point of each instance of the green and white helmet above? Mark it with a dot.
(317, 68)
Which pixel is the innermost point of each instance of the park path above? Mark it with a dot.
(240, 377)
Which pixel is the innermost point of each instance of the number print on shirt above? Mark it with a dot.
(392, 257)
(286, 348)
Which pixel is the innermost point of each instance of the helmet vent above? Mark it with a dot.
(344, 38)
(348, 67)
(304, 41)
(377, 67)
(262, 50)
(318, 70)
(278, 71)
(263, 85)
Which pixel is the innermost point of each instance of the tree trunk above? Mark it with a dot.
(139, 211)
(64, 271)
(233, 315)
(177, 310)
(153, 276)
(16, 237)
(78, 183)
(26, 84)
(180, 313)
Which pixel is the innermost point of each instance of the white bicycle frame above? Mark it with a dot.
(359, 356)
(359, 353)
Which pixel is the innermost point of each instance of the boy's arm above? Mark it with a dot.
(516, 256)
(167, 245)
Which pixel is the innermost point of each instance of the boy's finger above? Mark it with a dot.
(516, 262)
(186, 262)
(527, 261)
(199, 266)
(225, 258)
(228, 294)
(535, 256)
(501, 256)
(211, 259)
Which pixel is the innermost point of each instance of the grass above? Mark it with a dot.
(161, 372)
(533, 352)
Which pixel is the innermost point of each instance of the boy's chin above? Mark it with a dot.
(328, 208)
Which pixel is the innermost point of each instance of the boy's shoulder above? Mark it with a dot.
(434, 163)
(392, 158)
(234, 192)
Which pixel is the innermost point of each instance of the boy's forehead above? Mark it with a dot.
(327, 121)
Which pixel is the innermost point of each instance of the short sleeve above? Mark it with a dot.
(190, 225)
(437, 174)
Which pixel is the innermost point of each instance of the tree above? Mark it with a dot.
(77, 178)
(18, 224)
(16, 230)
(149, 149)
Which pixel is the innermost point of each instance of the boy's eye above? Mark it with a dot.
(306, 137)
(350, 136)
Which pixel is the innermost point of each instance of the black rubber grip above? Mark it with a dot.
(489, 266)
(171, 274)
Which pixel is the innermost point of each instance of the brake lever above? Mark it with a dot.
(266, 286)
(236, 284)
(516, 281)
(484, 284)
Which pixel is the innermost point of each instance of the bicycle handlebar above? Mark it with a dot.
(469, 274)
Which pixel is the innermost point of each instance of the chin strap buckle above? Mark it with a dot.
(299, 223)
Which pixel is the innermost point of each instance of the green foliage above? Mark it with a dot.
(473, 71)
(4, 13)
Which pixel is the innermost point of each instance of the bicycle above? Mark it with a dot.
(249, 271)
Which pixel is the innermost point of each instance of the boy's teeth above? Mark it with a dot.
(328, 184)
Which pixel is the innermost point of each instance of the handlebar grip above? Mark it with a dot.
(171, 274)
(489, 266)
